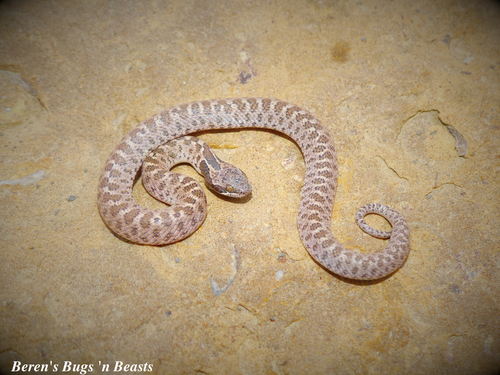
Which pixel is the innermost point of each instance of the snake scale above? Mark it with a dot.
(138, 224)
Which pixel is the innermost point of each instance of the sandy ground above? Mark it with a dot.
(410, 93)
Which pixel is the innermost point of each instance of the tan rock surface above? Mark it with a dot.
(396, 83)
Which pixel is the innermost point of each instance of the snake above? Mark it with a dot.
(187, 204)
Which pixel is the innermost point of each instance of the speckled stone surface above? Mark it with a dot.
(410, 93)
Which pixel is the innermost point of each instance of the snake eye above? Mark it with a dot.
(229, 188)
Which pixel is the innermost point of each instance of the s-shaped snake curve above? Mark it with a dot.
(138, 224)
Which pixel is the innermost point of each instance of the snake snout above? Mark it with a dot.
(231, 182)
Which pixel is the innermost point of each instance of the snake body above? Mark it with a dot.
(184, 194)
(142, 225)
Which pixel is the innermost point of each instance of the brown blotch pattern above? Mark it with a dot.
(185, 215)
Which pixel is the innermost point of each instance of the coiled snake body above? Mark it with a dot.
(156, 227)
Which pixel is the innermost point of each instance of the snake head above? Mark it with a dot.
(229, 181)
